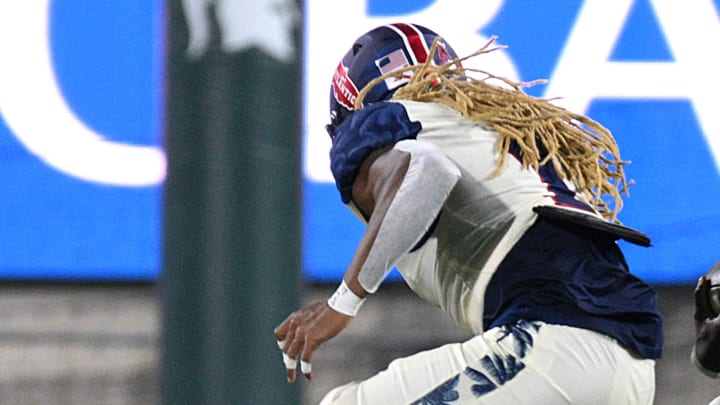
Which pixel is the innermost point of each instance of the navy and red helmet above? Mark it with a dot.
(379, 51)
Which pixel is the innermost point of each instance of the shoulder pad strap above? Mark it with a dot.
(589, 221)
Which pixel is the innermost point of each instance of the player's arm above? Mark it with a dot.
(706, 350)
(401, 190)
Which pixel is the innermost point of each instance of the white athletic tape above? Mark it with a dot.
(281, 344)
(305, 367)
(345, 301)
(290, 364)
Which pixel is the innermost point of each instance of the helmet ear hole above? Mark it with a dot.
(356, 48)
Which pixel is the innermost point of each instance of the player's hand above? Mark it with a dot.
(303, 331)
(707, 327)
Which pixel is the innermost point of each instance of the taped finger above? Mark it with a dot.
(281, 344)
(305, 367)
(290, 364)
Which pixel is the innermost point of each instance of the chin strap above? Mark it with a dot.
(430, 178)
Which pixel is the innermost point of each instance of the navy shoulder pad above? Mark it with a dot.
(364, 131)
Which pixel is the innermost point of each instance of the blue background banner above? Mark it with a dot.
(106, 61)
(639, 67)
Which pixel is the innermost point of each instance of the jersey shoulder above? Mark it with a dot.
(374, 127)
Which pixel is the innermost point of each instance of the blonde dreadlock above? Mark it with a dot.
(580, 149)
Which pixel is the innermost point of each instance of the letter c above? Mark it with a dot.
(34, 109)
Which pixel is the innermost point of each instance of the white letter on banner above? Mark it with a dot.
(584, 73)
(34, 109)
(330, 30)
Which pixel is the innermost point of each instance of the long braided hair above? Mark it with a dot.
(580, 149)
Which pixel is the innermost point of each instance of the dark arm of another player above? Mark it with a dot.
(706, 350)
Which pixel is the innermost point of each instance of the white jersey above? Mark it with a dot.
(481, 220)
(566, 270)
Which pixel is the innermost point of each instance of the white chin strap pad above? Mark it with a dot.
(430, 178)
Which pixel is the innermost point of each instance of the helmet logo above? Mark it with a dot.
(442, 53)
(344, 90)
(391, 62)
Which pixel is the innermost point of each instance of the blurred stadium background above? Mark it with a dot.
(88, 344)
(121, 283)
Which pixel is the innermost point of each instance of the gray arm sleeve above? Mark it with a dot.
(430, 177)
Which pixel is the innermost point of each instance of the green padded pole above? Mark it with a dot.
(232, 203)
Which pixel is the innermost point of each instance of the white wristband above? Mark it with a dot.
(345, 301)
